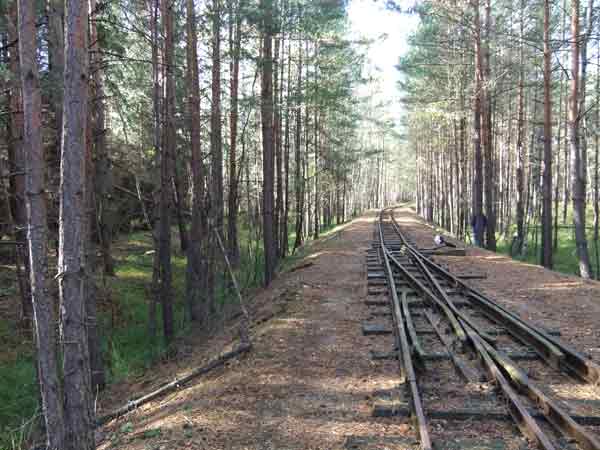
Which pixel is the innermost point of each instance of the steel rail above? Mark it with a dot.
(549, 347)
(410, 328)
(407, 369)
(525, 422)
(495, 361)
(428, 295)
(543, 344)
(551, 411)
(467, 374)
(442, 293)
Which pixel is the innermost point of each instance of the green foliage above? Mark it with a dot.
(18, 399)
(565, 254)
(127, 345)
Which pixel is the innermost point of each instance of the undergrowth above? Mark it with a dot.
(564, 255)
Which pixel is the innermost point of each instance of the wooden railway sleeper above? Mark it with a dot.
(571, 360)
(526, 423)
(556, 353)
(552, 412)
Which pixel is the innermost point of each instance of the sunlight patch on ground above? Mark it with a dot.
(563, 285)
(501, 259)
(282, 324)
(350, 384)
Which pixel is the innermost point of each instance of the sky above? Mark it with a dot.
(391, 29)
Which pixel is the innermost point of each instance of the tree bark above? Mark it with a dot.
(578, 174)
(277, 142)
(103, 170)
(37, 231)
(166, 173)
(235, 37)
(16, 158)
(479, 104)
(286, 206)
(487, 136)
(215, 121)
(298, 178)
(155, 286)
(56, 67)
(597, 169)
(196, 262)
(216, 151)
(316, 143)
(96, 143)
(546, 254)
(179, 203)
(79, 434)
(267, 140)
(520, 188)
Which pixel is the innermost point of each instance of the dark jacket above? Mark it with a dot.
(479, 222)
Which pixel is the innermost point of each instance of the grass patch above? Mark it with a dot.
(564, 255)
(127, 350)
(18, 399)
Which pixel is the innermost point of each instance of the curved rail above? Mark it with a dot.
(508, 376)
(551, 349)
(406, 367)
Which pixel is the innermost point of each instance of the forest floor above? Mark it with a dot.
(309, 381)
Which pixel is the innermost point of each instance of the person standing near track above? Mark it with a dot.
(478, 224)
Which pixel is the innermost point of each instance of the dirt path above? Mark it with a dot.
(310, 382)
(306, 384)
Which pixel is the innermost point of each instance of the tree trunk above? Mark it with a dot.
(79, 422)
(477, 131)
(578, 174)
(546, 254)
(155, 294)
(89, 254)
(486, 133)
(520, 213)
(597, 168)
(56, 60)
(216, 151)
(179, 203)
(277, 62)
(235, 37)
(298, 178)
(95, 141)
(317, 224)
(286, 161)
(37, 234)
(103, 171)
(17, 167)
(56, 66)
(166, 173)
(215, 122)
(267, 141)
(196, 263)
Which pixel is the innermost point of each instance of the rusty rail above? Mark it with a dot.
(507, 375)
(407, 368)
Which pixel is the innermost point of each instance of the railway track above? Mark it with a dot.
(463, 357)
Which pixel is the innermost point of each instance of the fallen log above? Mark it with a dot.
(173, 385)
